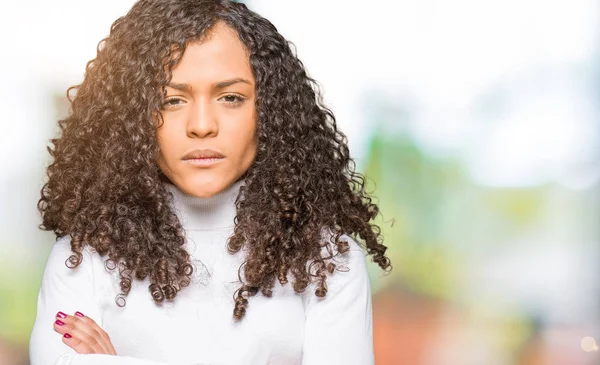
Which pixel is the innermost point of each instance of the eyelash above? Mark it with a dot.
(238, 100)
(168, 102)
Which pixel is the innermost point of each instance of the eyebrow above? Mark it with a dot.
(219, 85)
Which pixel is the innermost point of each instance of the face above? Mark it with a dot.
(208, 136)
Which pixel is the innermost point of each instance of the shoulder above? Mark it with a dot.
(62, 248)
(353, 258)
(349, 281)
(350, 264)
(353, 251)
(59, 256)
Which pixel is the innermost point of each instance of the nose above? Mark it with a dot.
(202, 122)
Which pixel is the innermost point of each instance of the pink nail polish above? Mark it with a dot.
(66, 335)
(59, 322)
(79, 314)
(61, 315)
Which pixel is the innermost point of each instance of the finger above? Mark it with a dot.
(83, 341)
(77, 344)
(83, 336)
(95, 331)
(60, 326)
(66, 323)
(91, 334)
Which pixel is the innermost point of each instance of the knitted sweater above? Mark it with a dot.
(197, 327)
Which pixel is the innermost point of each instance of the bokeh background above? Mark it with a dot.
(475, 121)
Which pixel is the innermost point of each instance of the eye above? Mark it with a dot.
(232, 99)
(172, 102)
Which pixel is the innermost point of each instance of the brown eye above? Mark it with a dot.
(232, 99)
(171, 102)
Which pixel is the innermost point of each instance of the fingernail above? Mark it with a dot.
(61, 315)
(66, 335)
(79, 314)
(59, 322)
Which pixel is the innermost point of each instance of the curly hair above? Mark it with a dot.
(105, 188)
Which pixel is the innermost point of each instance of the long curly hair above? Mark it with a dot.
(105, 189)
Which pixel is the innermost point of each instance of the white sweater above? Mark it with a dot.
(197, 327)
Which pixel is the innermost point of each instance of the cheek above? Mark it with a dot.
(245, 147)
(166, 154)
(250, 137)
(167, 138)
(242, 133)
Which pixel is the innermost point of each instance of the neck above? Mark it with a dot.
(217, 211)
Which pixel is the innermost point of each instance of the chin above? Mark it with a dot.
(204, 189)
(204, 194)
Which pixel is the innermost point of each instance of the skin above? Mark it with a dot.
(210, 104)
(82, 334)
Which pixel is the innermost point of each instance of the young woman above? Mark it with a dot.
(206, 207)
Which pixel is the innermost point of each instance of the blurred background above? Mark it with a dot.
(476, 123)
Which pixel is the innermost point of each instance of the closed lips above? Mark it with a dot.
(203, 154)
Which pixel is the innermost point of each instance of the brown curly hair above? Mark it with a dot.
(106, 190)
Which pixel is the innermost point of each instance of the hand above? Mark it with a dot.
(82, 334)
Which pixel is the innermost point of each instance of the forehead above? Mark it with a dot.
(219, 55)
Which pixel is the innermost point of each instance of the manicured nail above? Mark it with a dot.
(67, 335)
(59, 322)
(79, 314)
(61, 315)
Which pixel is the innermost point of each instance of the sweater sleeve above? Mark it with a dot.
(67, 290)
(339, 327)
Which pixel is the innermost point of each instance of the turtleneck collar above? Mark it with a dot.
(217, 211)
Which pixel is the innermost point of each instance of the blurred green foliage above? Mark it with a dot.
(435, 221)
(18, 300)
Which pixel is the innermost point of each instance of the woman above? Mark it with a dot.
(204, 203)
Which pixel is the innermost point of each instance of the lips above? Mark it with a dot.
(204, 154)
